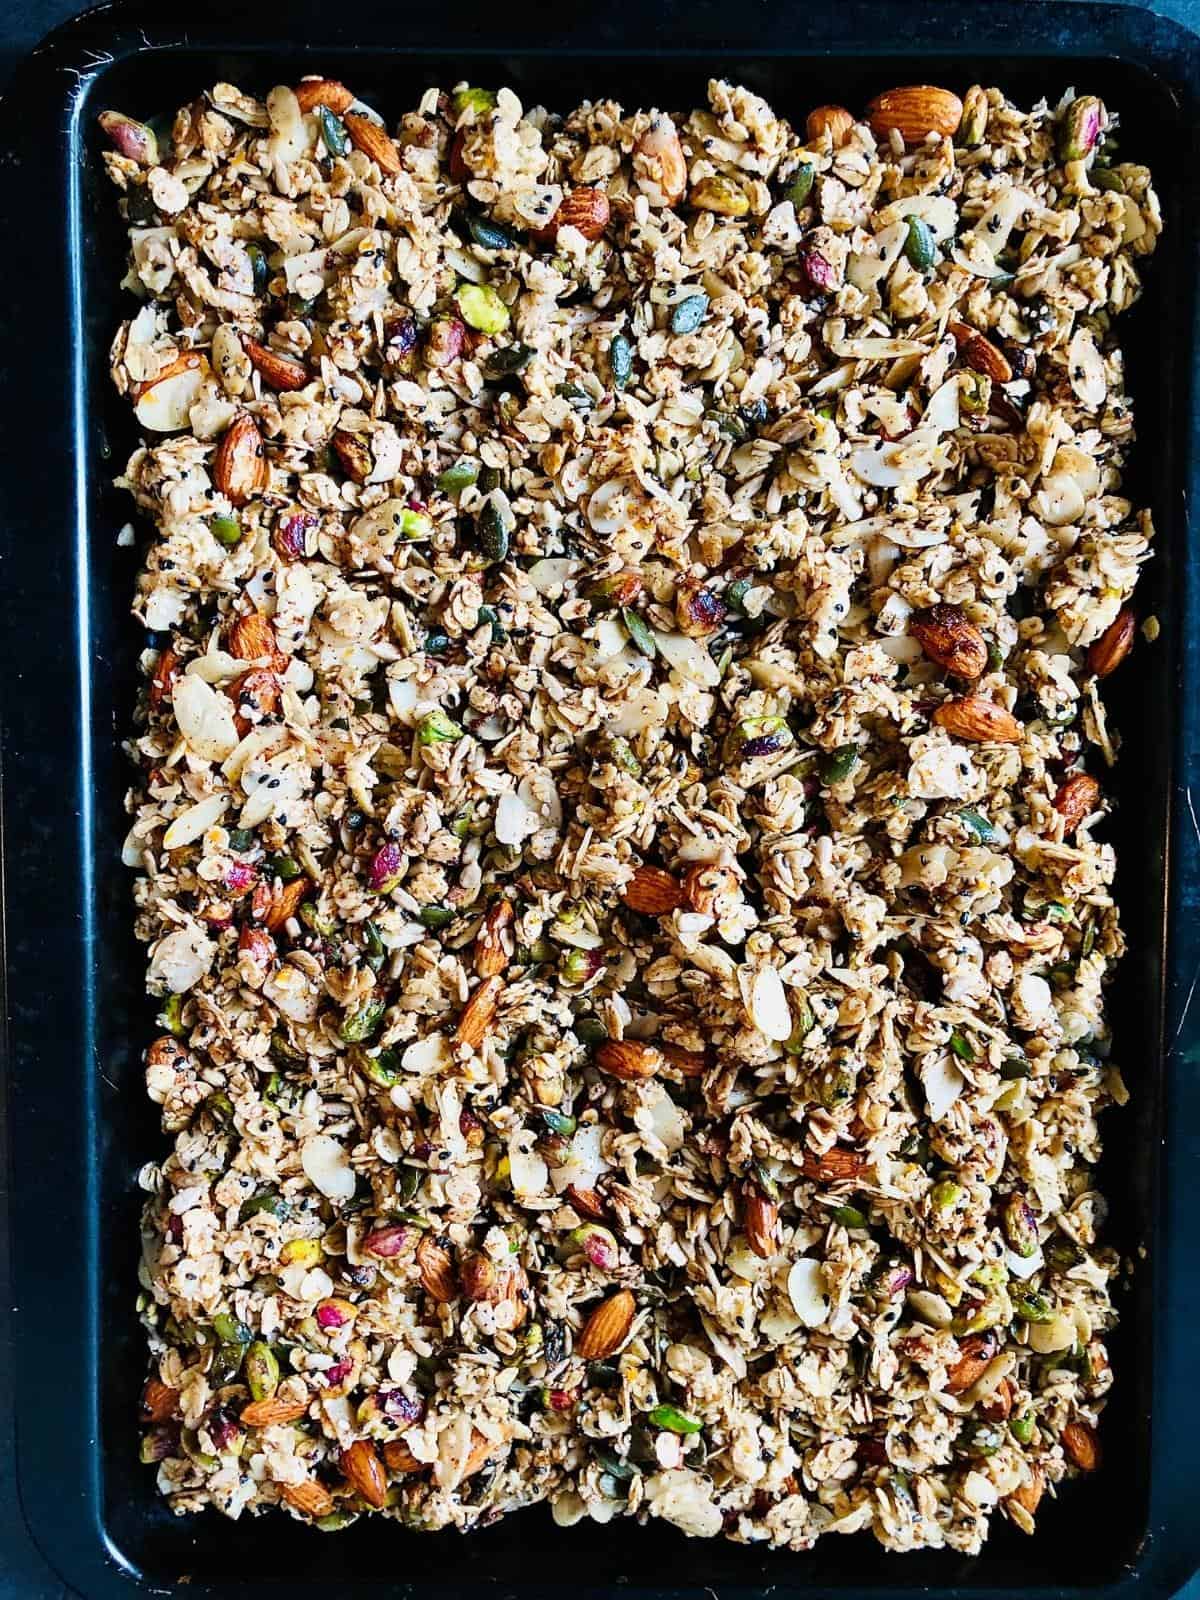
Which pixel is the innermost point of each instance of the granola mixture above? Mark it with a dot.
(619, 825)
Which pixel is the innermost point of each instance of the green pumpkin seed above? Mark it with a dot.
(849, 1216)
(1013, 1068)
(283, 867)
(689, 314)
(559, 1122)
(334, 135)
(674, 1420)
(920, 246)
(979, 826)
(241, 839)
(225, 1365)
(259, 267)
(799, 189)
(458, 477)
(962, 1046)
(503, 363)
(620, 360)
(1108, 180)
(383, 1069)
(493, 533)
(265, 1203)
(639, 632)
(491, 235)
(590, 1030)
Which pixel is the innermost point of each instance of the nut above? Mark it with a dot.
(835, 121)
(252, 638)
(760, 1221)
(691, 1063)
(256, 696)
(915, 111)
(285, 902)
(355, 458)
(280, 371)
(437, 1270)
(478, 1013)
(980, 354)
(1082, 1446)
(1114, 644)
(628, 1059)
(619, 588)
(1076, 799)
(697, 609)
(328, 92)
(258, 947)
(310, 1497)
(819, 272)
(978, 720)
(973, 128)
(400, 1458)
(1084, 121)
(975, 1355)
(481, 1449)
(654, 891)
(159, 1401)
(947, 637)
(269, 1413)
(588, 1202)
(240, 463)
(997, 1406)
(374, 142)
(833, 1165)
(363, 1469)
(134, 140)
(444, 341)
(658, 163)
(166, 1052)
(721, 196)
(1029, 1495)
(607, 1327)
(585, 210)
(163, 681)
(493, 944)
(289, 537)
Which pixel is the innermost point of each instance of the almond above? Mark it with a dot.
(1076, 799)
(163, 681)
(975, 1355)
(997, 1406)
(978, 720)
(363, 1469)
(285, 902)
(240, 462)
(915, 111)
(760, 1221)
(400, 1458)
(489, 1282)
(1082, 1446)
(269, 1413)
(481, 1449)
(159, 1401)
(493, 944)
(166, 1052)
(437, 1270)
(653, 890)
(834, 1165)
(659, 164)
(607, 1327)
(692, 1063)
(478, 1013)
(947, 637)
(256, 696)
(310, 1497)
(1029, 1495)
(327, 92)
(980, 354)
(355, 457)
(252, 638)
(588, 1202)
(628, 1059)
(258, 946)
(1114, 644)
(280, 371)
(835, 121)
(585, 210)
(374, 143)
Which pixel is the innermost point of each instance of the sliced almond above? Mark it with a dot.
(164, 404)
(374, 143)
(658, 163)
(479, 1012)
(240, 462)
(607, 1328)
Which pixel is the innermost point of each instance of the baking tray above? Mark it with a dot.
(77, 1016)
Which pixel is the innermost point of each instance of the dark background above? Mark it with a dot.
(23, 1573)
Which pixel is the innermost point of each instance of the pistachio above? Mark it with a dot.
(262, 1370)
(800, 186)
(720, 195)
(435, 727)
(1084, 120)
(761, 736)
(972, 130)
(1020, 1226)
(482, 308)
(597, 1244)
(674, 1420)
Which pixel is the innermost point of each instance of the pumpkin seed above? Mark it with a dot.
(363, 1022)
(504, 362)
(620, 360)
(639, 632)
(689, 314)
(838, 764)
(799, 189)
(491, 235)
(493, 533)
(334, 135)
(920, 246)
(674, 1420)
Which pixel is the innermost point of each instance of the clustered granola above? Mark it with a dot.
(617, 786)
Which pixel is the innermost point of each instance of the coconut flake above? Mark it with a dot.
(205, 718)
(528, 1172)
(769, 1007)
(688, 657)
(943, 1083)
(195, 821)
(327, 1166)
(514, 821)
(426, 1055)
(181, 959)
(552, 574)
(807, 1291)
(1086, 367)
(584, 1163)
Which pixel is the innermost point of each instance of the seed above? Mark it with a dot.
(386, 869)
(979, 721)
(915, 111)
(492, 531)
(479, 1012)
(639, 632)
(979, 826)
(262, 1370)
(849, 1216)
(458, 477)
(334, 136)
(800, 187)
(388, 1242)
(837, 765)
(689, 313)
(620, 360)
(491, 235)
(920, 246)
(159, 1402)
(944, 1196)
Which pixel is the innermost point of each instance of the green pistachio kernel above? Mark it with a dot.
(458, 477)
(800, 187)
(363, 1022)
(674, 1420)
(838, 764)
(262, 1370)
(1023, 1427)
(265, 1203)
(480, 101)
(962, 1046)
(1031, 1306)
(481, 308)
(979, 826)
(225, 530)
(435, 727)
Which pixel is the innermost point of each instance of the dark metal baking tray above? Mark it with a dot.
(77, 1017)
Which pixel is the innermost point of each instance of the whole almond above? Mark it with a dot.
(588, 1202)
(1029, 1495)
(760, 1221)
(166, 1052)
(374, 143)
(400, 1458)
(654, 891)
(356, 459)
(631, 1060)
(981, 355)
(835, 121)
(479, 1012)
(1082, 1446)
(1077, 798)
(947, 637)
(493, 943)
(159, 1401)
(436, 1266)
(692, 1063)
(915, 111)
(363, 1469)
(240, 462)
(703, 882)
(280, 371)
(833, 1165)
(1106, 654)
(328, 92)
(252, 638)
(163, 681)
(585, 210)
(310, 1497)
(607, 1327)
(285, 902)
(978, 720)
(975, 1355)
(269, 1413)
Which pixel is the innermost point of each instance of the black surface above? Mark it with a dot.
(77, 1016)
